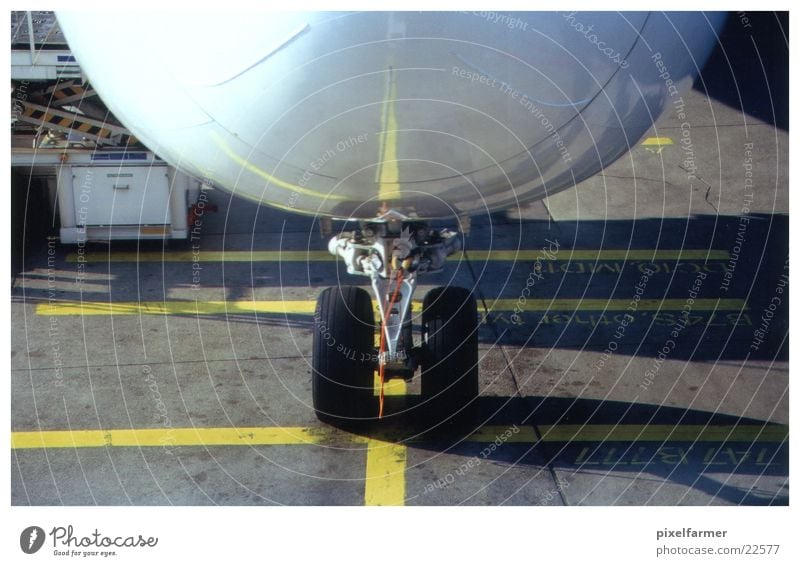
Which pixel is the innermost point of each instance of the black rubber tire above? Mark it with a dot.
(450, 355)
(343, 357)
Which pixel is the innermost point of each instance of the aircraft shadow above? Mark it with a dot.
(723, 456)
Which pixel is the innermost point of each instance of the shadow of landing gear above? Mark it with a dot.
(729, 459)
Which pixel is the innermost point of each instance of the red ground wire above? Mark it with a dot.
(381, 360)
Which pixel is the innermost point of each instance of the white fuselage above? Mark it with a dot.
(431, 114)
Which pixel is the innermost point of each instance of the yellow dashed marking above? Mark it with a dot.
(388, 170)
(662, 433)
(386, 460)
(318, 255)
(99, 308)
(391, 388)
(244, 163)
(656, 144)
(385, 476)
(166, 437)
(283, 436)
(197, 308)
(657, 141)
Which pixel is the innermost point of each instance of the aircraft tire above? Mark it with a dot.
(450, 355)
(343, 357)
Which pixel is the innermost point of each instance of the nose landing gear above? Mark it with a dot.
(393, 251)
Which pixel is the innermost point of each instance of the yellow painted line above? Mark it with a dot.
(632, 432)
(167, 437)
(154, 230)
(388, 171)
(657, 141)
(614, 304)
(318, 255)
(663, 433)
(384, 451)
(386, 461)
(197, 308)
(385, 476)
(494, 433)
(204, 256)
(609, 255)
(266, 176)
(391, 388)
(99, 308)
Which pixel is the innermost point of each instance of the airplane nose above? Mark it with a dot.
(431, 114)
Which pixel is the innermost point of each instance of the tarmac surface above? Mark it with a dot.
(647, 364)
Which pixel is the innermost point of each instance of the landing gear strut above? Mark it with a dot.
(393, 251)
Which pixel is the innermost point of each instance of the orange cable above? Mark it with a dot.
(381, 361)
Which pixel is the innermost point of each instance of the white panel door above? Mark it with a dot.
(116, 196)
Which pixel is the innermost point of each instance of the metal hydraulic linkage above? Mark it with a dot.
(392, 251)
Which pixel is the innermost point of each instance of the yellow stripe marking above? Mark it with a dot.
(601, 255)
(388, 169)
(99, 308)
(524, 434)
(264, 175)
(391, 388)
(154, 230)
(284, 436)
(478, 255)
(661, 433)
(386, 461)
(657, 141)
(167, 437)
(175, 308)
(385, 476)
